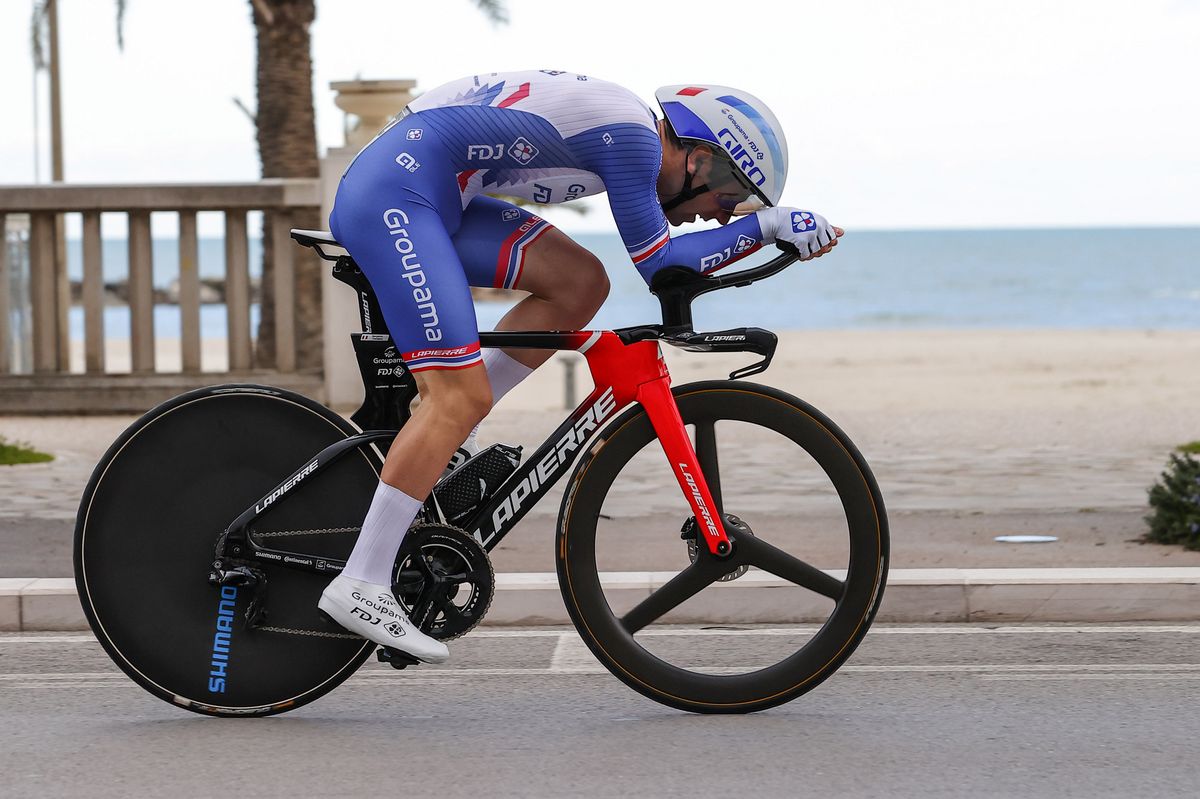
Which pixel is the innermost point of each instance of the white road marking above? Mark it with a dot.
(27, 638)
(571, 667)
(86, 676)
(1033, 677)
(571, 655)
(1022, 667)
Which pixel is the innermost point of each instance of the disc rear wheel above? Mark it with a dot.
(145, 537)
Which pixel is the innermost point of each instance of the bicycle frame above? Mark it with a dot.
(623, 373)
(626, 367)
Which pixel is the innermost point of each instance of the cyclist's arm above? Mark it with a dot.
(629, 168)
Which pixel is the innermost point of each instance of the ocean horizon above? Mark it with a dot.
(1132, 278)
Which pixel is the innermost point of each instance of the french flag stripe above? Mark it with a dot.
(649, 251)
(433, 364)
(512, 253)
(464, 178)
(425, 365)
(517, 261)
(448, 355)
(436, 362)
(520, 94)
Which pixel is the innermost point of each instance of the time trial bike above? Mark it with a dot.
(210, 527)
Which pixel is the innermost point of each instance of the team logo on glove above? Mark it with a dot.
(802, 222)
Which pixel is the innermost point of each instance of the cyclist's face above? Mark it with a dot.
(716, 204)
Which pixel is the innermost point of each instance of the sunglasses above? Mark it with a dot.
(738, 203)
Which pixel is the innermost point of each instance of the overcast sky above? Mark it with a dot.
(898, 114)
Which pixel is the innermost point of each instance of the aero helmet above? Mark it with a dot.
(738, 124)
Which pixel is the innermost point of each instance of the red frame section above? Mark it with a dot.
(637, 373)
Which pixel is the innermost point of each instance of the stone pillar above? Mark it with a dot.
(369, 105)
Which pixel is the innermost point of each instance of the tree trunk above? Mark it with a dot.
(287, 148)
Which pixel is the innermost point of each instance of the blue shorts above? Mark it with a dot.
(399, 213)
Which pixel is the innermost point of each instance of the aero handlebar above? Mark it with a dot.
(677, 286)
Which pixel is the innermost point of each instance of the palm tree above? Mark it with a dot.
(287, 146)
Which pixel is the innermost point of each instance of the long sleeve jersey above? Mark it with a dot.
(552, 136)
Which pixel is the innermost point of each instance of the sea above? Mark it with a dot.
(1144, 278)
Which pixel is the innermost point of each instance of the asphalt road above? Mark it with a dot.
(1090, 711)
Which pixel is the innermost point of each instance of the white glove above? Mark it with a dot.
(808, 232)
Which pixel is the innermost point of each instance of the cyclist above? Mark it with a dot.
(411, 210)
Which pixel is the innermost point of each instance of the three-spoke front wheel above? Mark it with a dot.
(803, 512)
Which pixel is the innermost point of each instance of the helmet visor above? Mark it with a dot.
(745, 207)
(732, 189)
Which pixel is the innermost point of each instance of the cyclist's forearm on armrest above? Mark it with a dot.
(709, 250)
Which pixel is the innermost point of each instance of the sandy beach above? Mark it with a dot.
(970, 434)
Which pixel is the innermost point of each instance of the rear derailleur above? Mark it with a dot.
(230, 572)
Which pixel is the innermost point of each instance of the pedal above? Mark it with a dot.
(395, 658)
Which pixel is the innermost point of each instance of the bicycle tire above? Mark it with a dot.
(617, 648)
(144, 542)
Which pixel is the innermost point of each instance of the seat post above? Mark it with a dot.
(369, 311)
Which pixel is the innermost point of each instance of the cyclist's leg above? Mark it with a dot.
(397, 226)
(504, 246)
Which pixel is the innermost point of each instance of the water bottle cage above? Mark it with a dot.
(460, 493)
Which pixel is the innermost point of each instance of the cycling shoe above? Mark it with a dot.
(372, 611)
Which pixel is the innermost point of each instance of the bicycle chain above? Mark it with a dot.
(317, 531)
(313, 633)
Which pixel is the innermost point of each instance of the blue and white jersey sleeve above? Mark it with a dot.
(628, 161)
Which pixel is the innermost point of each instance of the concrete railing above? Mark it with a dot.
(50, 291)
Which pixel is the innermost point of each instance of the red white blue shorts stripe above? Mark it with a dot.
(511, 259)
(444, 358)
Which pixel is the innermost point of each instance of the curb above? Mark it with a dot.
(912, 596)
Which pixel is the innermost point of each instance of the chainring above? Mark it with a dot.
(444, 580)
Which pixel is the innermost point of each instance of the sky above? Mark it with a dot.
(901, 114)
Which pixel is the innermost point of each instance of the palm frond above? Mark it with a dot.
(494, 10)
(121, 25)
(37, 35)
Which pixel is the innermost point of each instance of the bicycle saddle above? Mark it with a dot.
(320, 240)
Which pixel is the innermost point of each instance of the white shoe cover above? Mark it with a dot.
(372, 611)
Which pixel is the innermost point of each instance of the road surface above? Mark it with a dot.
(925, 711)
